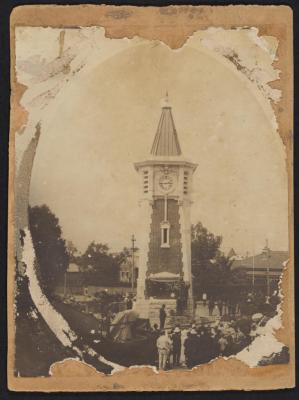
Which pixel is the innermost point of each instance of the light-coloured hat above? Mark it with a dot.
(257, 317)
(193, 332)
(177, 330)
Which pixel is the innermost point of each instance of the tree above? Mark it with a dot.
(123, 255)
(101, 266)
(211, 269)
(50, 248)
(72, 251)
(204, 247)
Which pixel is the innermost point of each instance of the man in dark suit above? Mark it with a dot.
(162, 317)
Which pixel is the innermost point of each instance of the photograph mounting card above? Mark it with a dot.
(151, 199)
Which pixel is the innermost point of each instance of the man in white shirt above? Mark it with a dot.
(164, 346)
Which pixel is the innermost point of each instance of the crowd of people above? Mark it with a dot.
(224, 335)
(247, 303)
(200, 343)
(223, 332)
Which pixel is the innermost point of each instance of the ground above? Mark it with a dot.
(37, 348)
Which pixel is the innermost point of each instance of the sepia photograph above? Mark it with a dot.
(151, 200)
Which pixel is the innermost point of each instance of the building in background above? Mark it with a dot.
(263, 270)
(126, 267)
(232, 255)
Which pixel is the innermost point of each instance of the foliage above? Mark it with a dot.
(204, 247)
(72, 251)
(211, 269)
(50, 248)
(123, 255)
(101, 267)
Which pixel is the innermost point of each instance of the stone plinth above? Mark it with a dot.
(150, 308)
(201, 309)
(202, 314)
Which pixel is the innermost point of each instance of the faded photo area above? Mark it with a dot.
(151, 201)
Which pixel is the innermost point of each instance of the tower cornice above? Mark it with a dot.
(152, 162)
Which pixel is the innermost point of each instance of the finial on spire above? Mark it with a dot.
(165, 100)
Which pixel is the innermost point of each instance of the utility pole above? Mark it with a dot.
(268, 269)
(133, 240)
(267, 257)
(65, 277)
(253, 265)
(253, 270)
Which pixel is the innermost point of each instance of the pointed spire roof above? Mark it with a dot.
(231, 253)
(166, 142)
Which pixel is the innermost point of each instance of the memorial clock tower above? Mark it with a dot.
(165, 245)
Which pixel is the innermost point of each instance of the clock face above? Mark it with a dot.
(166, 182)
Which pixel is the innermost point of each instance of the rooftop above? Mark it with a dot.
(275, 260)
(166, 142)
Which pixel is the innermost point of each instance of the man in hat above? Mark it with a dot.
(191, 348)
(176, 343)
(223, 343)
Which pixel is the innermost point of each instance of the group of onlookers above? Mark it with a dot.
(247, 304)
(201, 343)
(169, 344)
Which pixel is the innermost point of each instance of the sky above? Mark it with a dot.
(104, 118)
